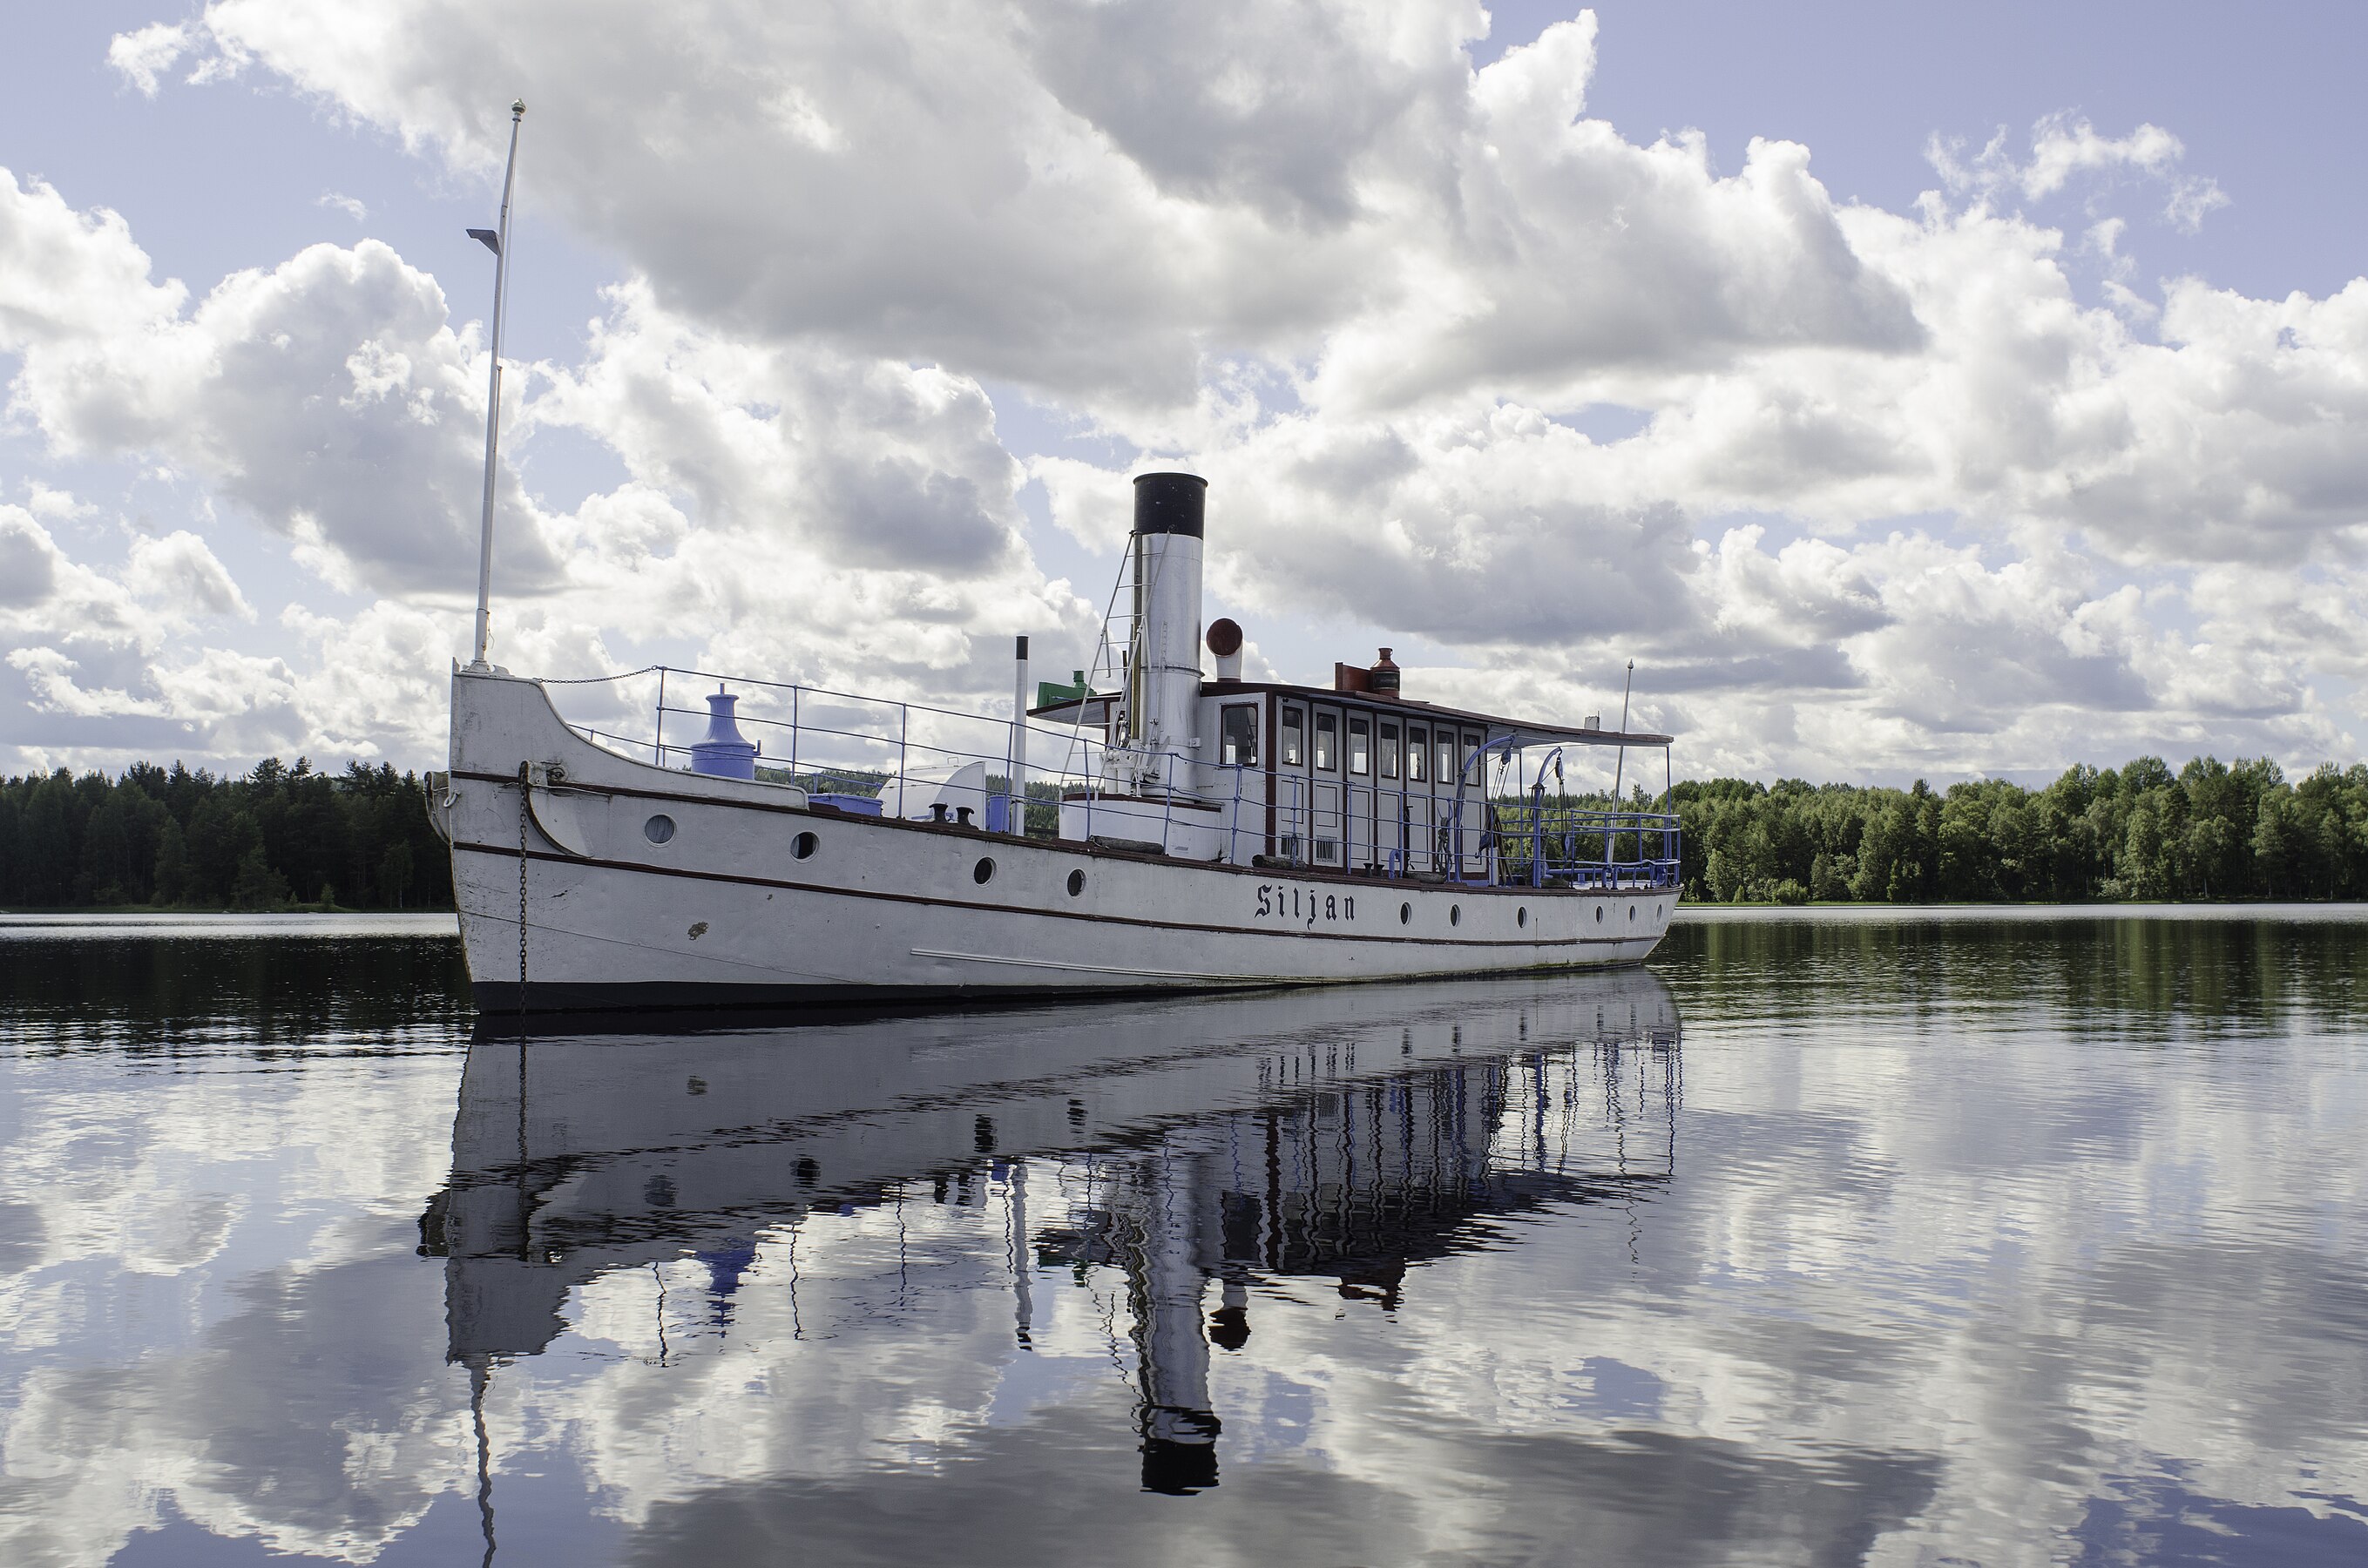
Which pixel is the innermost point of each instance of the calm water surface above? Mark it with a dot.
(1825, 1239)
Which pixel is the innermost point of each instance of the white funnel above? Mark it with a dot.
(1162, 687)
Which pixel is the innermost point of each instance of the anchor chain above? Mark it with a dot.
(524, 781)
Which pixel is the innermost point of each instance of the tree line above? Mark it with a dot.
(176, 839)
(2210, 831)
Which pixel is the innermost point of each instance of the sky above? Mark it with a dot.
(1908, 391)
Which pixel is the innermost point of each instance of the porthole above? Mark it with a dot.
(658, 829)
(803, 845)
(1522, 917)
(1632, 915)
(1598, 915)
(1077, 883)
(1455, 914)
(1406, 912)
(983, 872)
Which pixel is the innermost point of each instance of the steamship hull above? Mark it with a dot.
(756, 895)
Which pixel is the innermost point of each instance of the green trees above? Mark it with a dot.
(172, 838)
(2210, 831)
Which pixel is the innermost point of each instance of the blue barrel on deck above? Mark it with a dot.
(724, 752)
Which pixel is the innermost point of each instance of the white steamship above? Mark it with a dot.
(1197, 830)
(1151, 825)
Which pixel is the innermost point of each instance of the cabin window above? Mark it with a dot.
(1295, 737)
(1451, 766)
(1360, 746)
(1327, 741)
(1417, 753)
(1389, 751)
(1471, 743)
(1238, 730)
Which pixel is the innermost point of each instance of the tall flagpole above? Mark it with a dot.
(1620, 770)
(498, 242)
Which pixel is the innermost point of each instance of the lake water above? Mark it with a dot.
(1837, 1239)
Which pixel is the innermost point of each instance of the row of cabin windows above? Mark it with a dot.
(1412, 748)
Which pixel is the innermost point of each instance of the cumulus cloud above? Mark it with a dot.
(1076, 199)
(1462, 523)
(909, 187)
(2064, 147)
(118, 656)
(1571, 252)
(49, 501)
(29, 559)
(1287, 113)
(44, 592)
(1899, 484)
(180, 571)
(65, 276)
(142, 56)
(867, 461)
(819, 514)
(329, 396)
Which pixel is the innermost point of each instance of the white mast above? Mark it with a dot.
(498, 242)
(1621, 771)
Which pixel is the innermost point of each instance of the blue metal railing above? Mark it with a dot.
(1562, 846)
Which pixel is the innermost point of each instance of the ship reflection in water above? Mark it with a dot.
(1941, 1239)
(1197, 1150)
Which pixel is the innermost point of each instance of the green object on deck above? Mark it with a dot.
(1049, 692)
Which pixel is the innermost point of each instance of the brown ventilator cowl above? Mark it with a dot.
(1224, 640)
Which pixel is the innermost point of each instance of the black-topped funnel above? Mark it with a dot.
(1169, 503)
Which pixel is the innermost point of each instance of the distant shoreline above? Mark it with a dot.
(2335, 911)
(24, 924)
(154, 910)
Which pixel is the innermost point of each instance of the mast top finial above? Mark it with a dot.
(518, 108)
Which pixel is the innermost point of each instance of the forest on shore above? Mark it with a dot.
(170, 838)
(283, 836)
(2209, 832)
